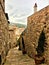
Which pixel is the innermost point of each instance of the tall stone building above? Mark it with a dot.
(4, 36)
(37, 35)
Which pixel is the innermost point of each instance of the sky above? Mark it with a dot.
(19, 10)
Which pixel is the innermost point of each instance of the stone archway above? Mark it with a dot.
(39, 58)
(41, 43)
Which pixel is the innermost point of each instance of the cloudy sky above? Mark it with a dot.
(19, 10)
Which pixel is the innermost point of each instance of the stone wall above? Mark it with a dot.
(4, 36)
(37, 23)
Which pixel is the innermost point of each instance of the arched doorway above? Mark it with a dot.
(41, 43)
(39, 58)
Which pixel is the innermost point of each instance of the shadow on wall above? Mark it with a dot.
(23, 46)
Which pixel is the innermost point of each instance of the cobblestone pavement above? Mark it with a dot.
(15, 57)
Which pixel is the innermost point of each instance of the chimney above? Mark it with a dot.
(35, 7)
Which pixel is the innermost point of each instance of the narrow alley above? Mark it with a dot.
(15, 57)
(24, 32)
